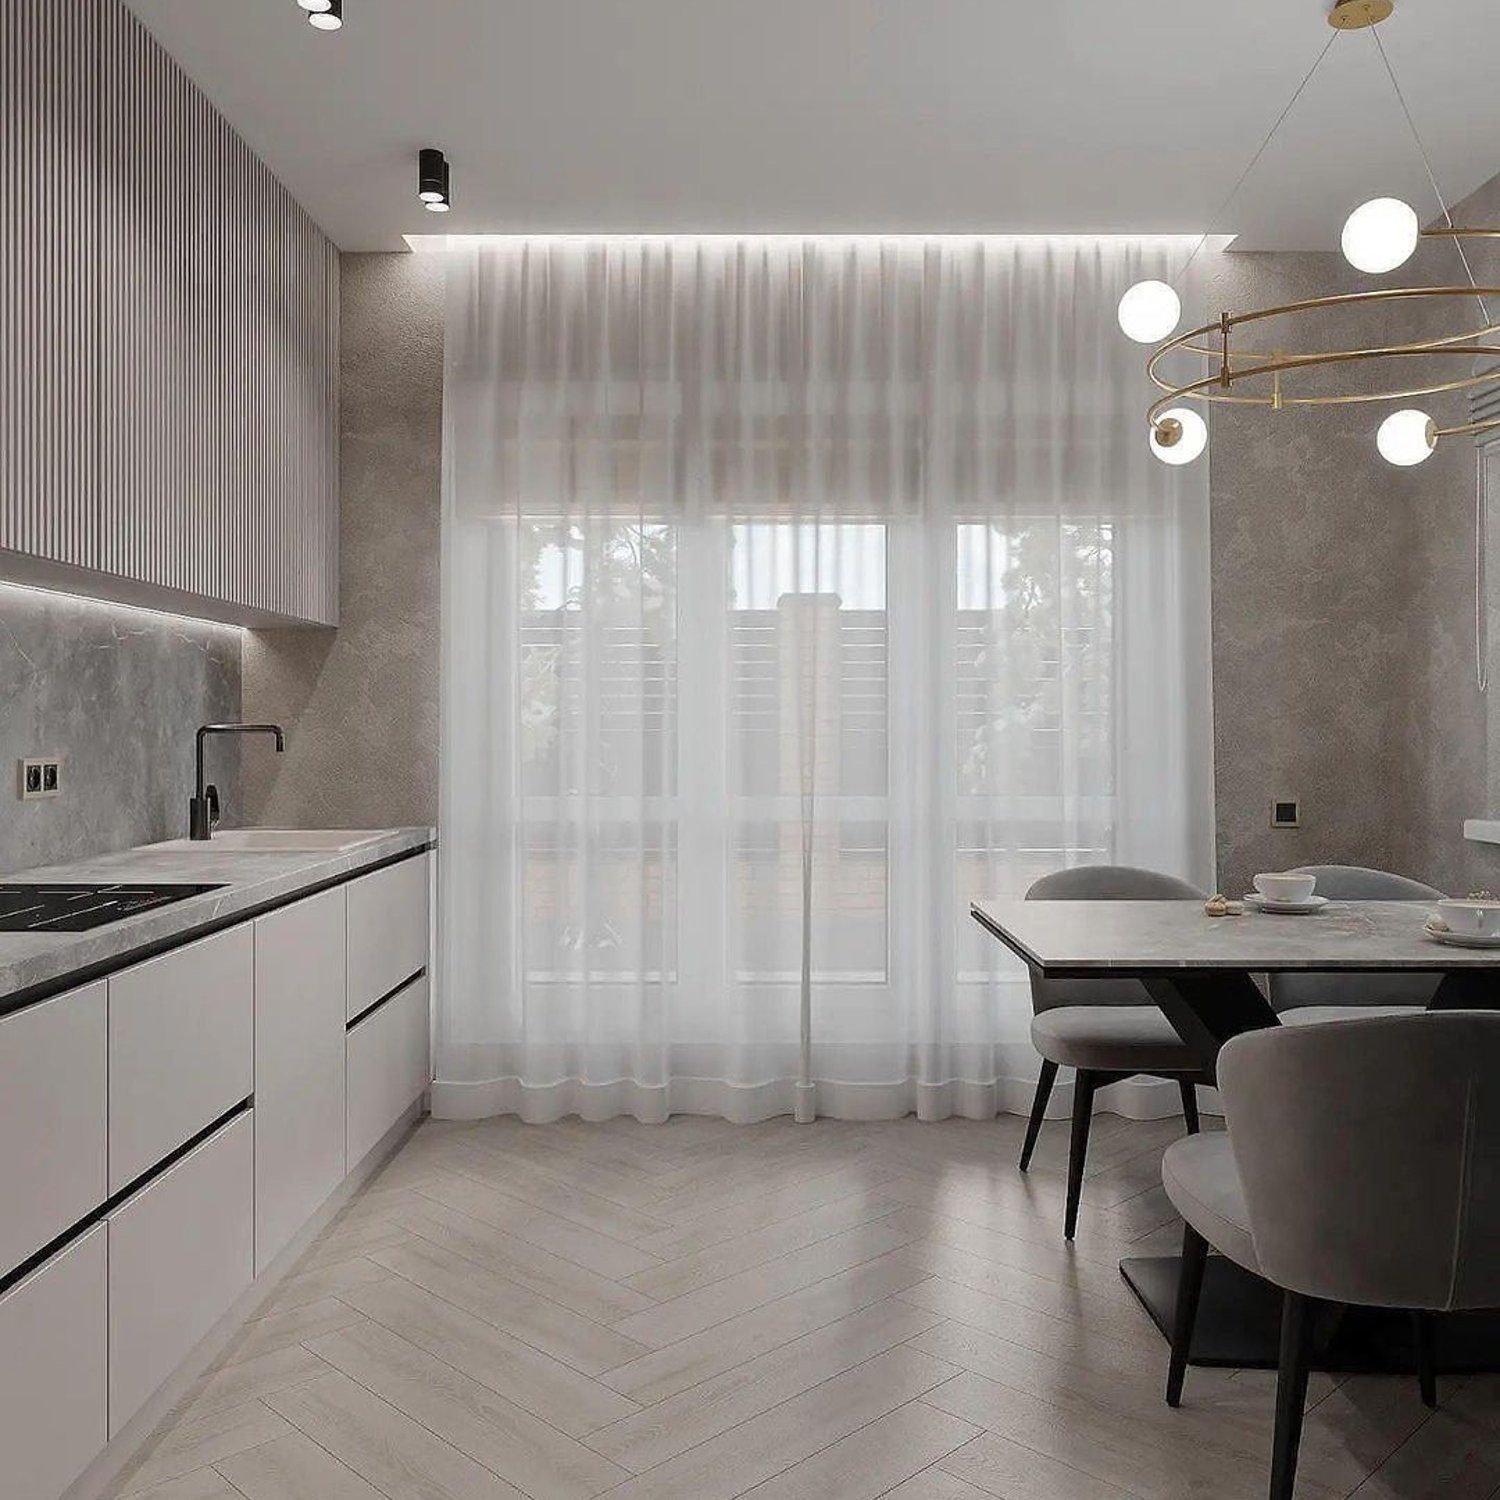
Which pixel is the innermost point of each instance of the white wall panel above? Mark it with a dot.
(168, 336)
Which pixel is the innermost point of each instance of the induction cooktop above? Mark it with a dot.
(78, 907)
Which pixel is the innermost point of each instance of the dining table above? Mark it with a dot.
(1205, 973)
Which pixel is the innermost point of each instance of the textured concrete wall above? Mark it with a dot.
(118, 693)
(360, 704)
(1312, 558)
(1445, 721)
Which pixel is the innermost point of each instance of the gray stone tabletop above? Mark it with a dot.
(247, 881)
(1143, 937)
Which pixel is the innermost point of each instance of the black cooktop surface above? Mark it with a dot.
(79, 907)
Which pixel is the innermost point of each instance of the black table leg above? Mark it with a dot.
(1467, 989)
(1207, 1009)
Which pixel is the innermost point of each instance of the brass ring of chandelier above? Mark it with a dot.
(1235, 366)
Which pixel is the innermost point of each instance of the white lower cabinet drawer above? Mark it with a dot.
(181, 1250)
(53, 1363)
(181, 1048)
(387, 1067)
(53, 1120)
(387, 931)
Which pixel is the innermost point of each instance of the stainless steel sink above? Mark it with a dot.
(279, 841)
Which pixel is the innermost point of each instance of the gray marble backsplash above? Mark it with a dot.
(117, 693)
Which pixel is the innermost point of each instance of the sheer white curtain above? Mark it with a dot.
(795, 592)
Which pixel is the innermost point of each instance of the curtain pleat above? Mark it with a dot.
(796, 592)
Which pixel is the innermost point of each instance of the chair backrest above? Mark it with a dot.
(1355, 883)
(1101, 883)
(1369, 1152)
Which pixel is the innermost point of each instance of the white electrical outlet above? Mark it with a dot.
(40, 776)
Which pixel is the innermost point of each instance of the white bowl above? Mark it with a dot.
(1287, 887)
(1470, 918)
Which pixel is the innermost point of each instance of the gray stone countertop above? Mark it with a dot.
(247, 881)
(1141, 937)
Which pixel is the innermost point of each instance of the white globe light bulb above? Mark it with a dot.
(1178, 436)
(1406, 437)
(1380, 235)
(315, 4)
(1149, 311)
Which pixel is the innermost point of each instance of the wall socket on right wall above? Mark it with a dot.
(1286, 812)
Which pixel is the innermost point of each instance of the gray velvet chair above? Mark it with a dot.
(1105, 1029)
(1302, 998)
(1361, 1166)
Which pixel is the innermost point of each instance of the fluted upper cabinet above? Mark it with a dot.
(168, 337)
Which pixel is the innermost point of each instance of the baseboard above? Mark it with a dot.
(117, 1455)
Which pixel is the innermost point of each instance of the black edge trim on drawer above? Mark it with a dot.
(391, 994)
(87, 973)
(110, 1204)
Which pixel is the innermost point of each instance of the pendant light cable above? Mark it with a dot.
(1259, 152)
(1416, 135)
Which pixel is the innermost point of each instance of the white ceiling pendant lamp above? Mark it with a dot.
(1178, 436)
(1263, 360)
(1381, 235)
(1407, 438)
(1149, 311)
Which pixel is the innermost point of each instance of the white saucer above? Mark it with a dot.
(1451, 939)
(1257, 902)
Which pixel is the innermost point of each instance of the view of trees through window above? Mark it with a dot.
(611, 726)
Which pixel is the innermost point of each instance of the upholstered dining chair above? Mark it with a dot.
(1104, 1029)
(1361, 1167)
(1301, 998)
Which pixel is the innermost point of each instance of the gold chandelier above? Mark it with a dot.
(1378, 237)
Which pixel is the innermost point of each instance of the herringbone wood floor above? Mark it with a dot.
(698, 1311)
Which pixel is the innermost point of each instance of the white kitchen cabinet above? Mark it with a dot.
(181, 1048)
(54, 1097)
(387, 931)
(181, 1250)
(388, 1067)
(299, 1066)
(53, 1371)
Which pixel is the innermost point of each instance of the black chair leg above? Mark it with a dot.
(1426, 1368)
(1189, 1091)
(1045, 1079)
(1297, 1314)
(1189, 1287)
(1083, 1113)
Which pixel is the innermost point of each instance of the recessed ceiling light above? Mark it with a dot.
(432, 180)
(327, 16)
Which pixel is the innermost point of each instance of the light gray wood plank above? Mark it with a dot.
(763, 1447)
(586, 1292)
(286, 1329)
(294, 1468)
(584, 1247)
(724, 1401)
(190, 1445)
(994, 1465)
(871, 1461)
(400, 1457)
(535, 1381)
(532, 1454)
(663, 1372)
(545, 1325)
(681, 1317)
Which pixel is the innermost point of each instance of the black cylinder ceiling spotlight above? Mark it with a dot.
(326, 15)
(432, 180)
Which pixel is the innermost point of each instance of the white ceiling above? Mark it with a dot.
(844, 115)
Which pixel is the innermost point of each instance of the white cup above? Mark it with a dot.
(1480, 919)
(1287, 887)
